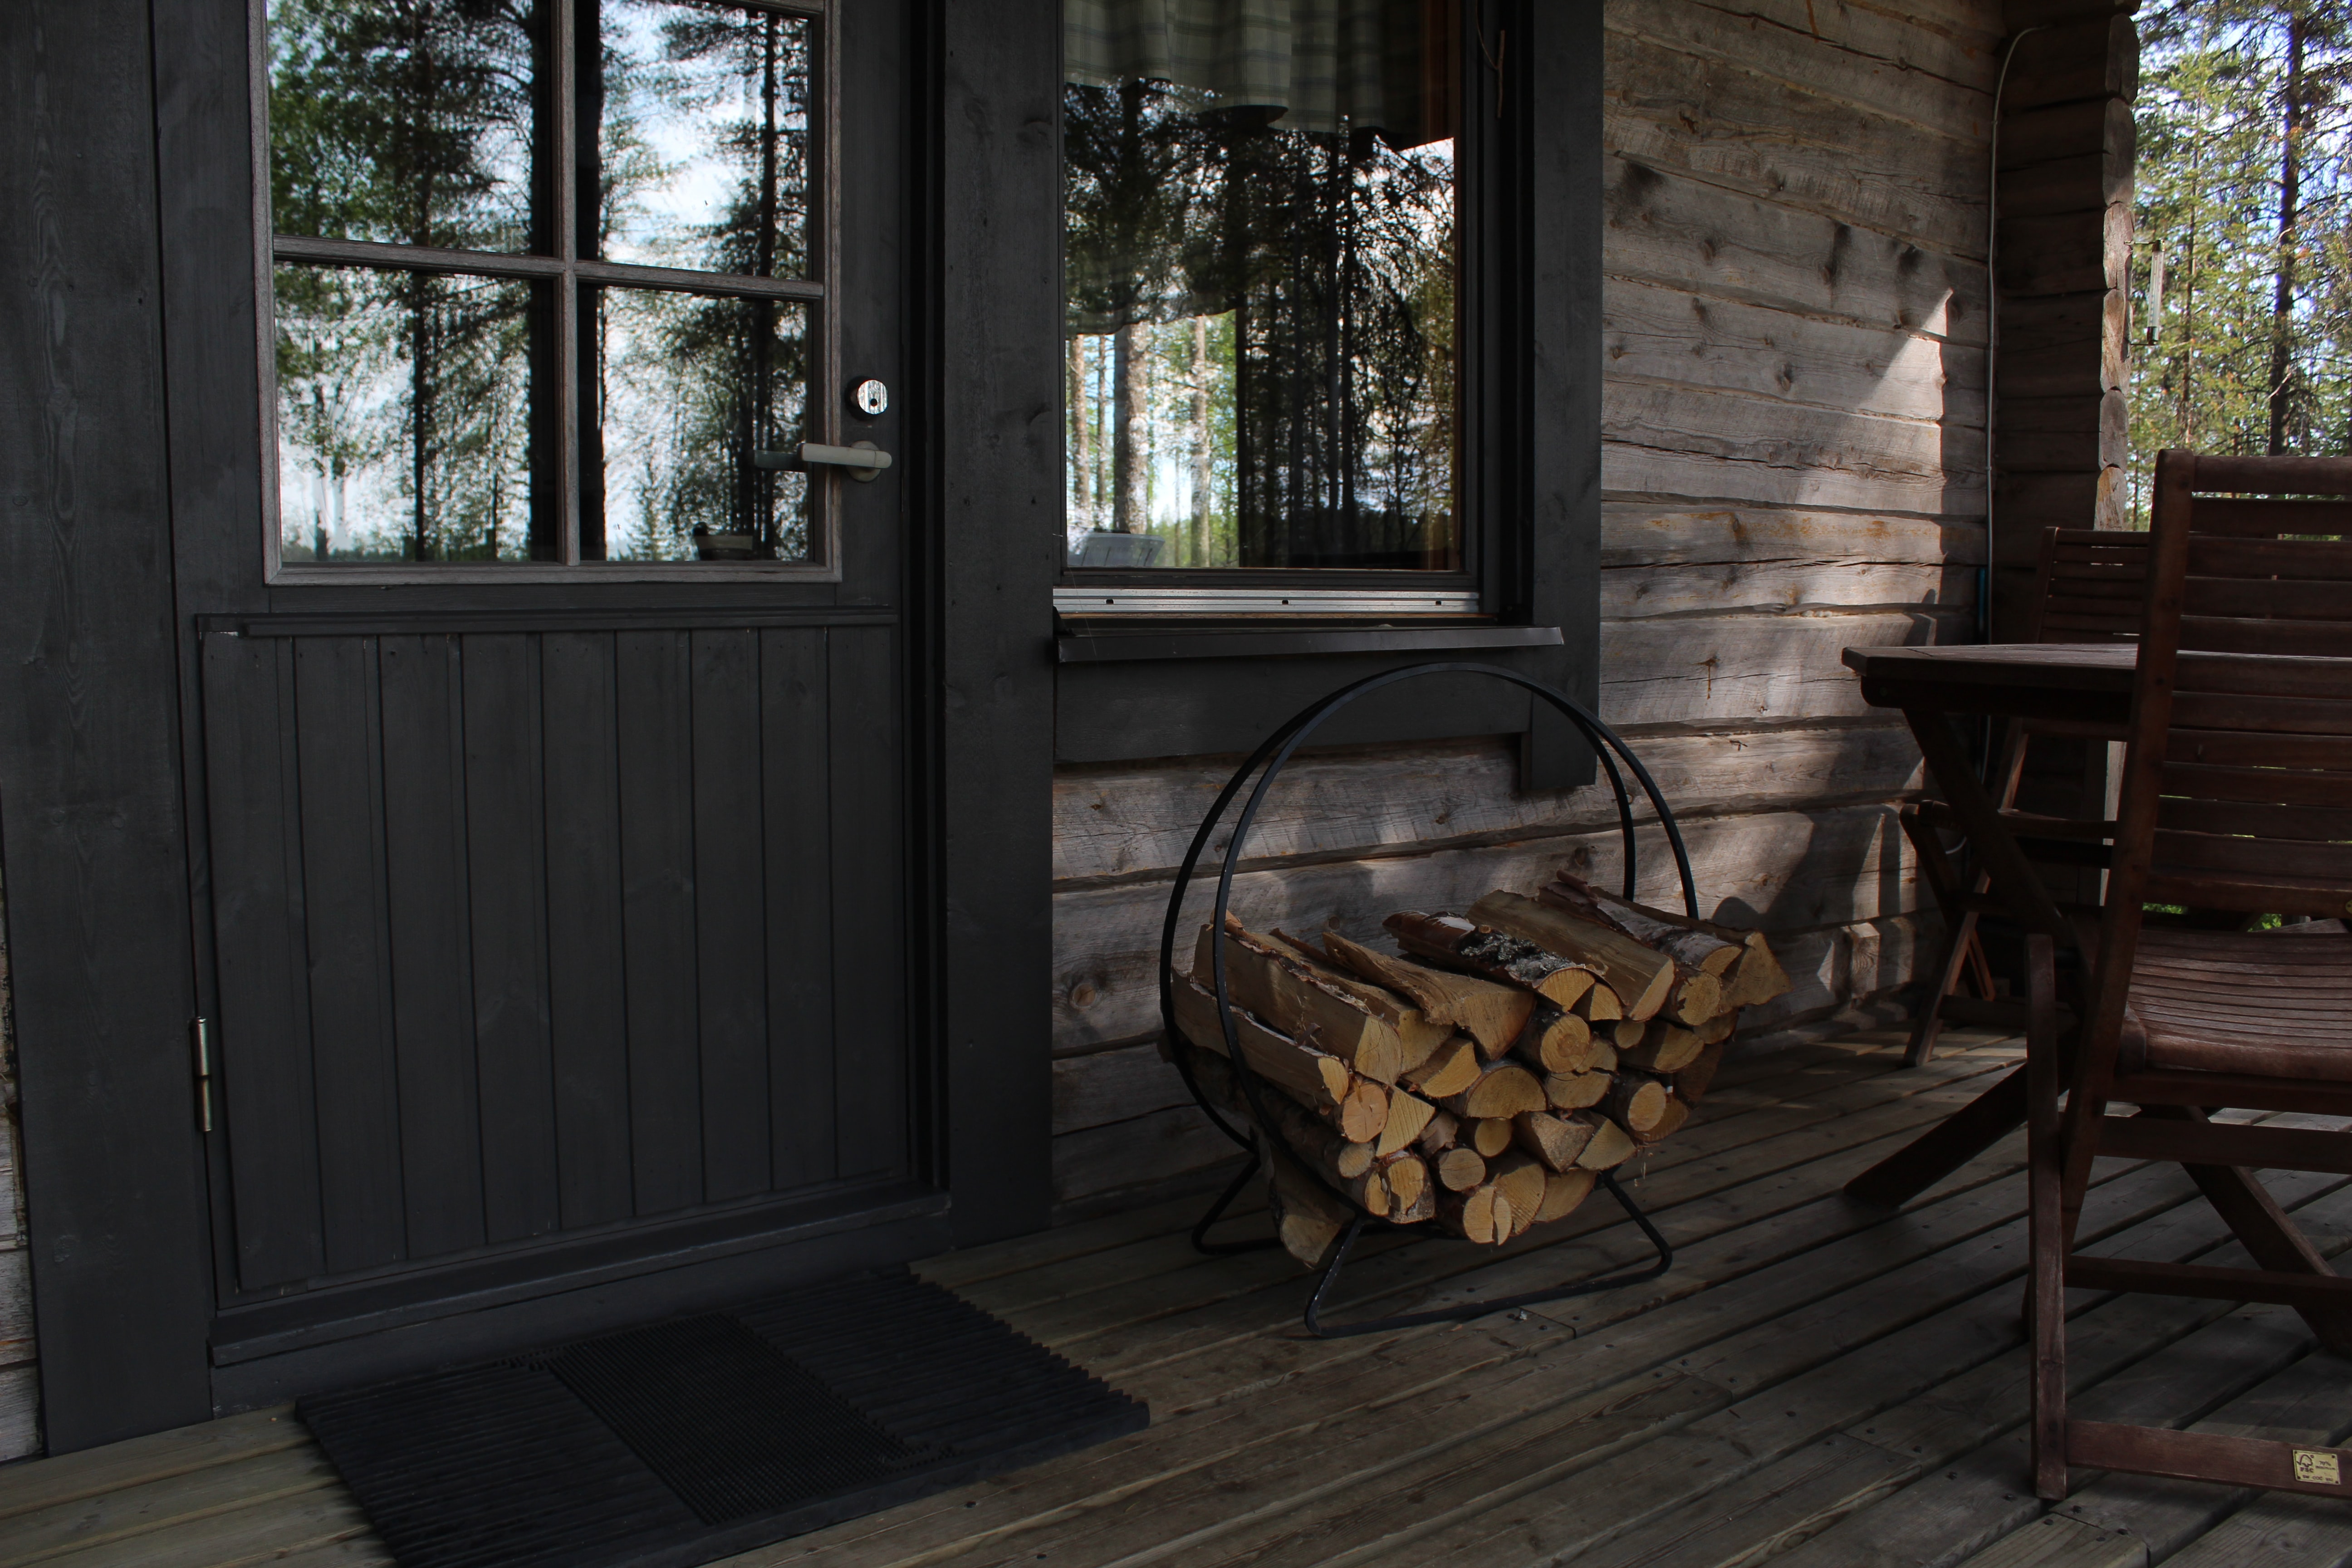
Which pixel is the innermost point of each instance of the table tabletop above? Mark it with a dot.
(2089, 682)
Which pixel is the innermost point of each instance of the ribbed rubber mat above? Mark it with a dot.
(686, 1440)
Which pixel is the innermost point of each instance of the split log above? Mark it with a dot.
(1418, 1212)
(1612, 1146)
(1635, 1103)
(1408, 1115)
(1601, 1005)
(1664, 1047)
(1753, 976)
(1556, 1141)
(1482, 1214)
(1604, 1058)
(1457, 944)
(1758, 976)
(1492, 1015)
(1491, 1136)
(1418, 1033)
(1646, 981)
(1307, 1218)
(1438, 1136)
(1321, 1082)
(1281, 990)
(1575, 1090)
(1625, 1034)
(1691, 945)
(1408, 1179)
(1504, 1089)
(1691, 1084)
(1563, 1191)
(1718, 1028)
(1521, 1181)
(1668, 1123)
(1554, 1040)
(1451, 1068)
(1459, 1170)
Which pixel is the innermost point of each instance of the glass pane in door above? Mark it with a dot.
(689, 392)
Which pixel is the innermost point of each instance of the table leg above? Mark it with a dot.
(1946, 1147)
(2013, 876)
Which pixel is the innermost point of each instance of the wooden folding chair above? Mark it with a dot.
(2089, 586)
(2237, 795)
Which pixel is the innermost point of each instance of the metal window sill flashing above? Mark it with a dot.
(1102, 645)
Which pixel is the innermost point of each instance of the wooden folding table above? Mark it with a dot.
(2083, 688)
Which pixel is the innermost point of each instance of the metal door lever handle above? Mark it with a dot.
(864, 460)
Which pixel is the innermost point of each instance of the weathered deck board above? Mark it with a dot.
(1833, 1385)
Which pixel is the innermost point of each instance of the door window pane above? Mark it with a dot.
(1261, 286)
(403, 417)
(702, 137)
(690, 391)
(405, 121)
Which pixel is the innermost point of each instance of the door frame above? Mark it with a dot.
(139, 158)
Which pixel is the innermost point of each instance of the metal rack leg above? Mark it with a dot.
(1322, 1331)
(1200, 1242)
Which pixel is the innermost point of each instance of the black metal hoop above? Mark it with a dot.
(1274, 754)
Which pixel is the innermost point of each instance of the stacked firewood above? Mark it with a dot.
(1481, 1078)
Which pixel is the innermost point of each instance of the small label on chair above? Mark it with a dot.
(2318, 1468)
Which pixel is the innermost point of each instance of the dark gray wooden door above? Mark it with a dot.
(557, 913)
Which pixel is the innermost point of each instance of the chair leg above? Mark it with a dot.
(2045, 1227)
(2270, 1236)
(1944, 979)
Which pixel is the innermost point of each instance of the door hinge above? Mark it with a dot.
(202, 1031)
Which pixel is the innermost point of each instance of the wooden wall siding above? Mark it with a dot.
(1793, 462)
(20, 1382)
(481, 984)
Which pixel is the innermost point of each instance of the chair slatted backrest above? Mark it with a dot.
(2091, 588)
(2240, 782)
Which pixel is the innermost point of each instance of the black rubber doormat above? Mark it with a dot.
(686, 1440)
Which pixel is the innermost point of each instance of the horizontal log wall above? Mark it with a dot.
(1793, 464)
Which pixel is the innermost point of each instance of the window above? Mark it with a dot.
(1262, 304)
(547, 281)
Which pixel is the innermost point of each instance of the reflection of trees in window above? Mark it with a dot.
(419, 410)
(1328, 261)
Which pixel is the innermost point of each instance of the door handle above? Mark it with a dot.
(864, 460)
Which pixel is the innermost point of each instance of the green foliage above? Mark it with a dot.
(2225, 368)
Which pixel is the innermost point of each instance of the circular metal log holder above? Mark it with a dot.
(1272, 755)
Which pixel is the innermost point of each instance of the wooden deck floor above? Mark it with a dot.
(1813, 1384)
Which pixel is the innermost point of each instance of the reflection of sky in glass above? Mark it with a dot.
(680, 136)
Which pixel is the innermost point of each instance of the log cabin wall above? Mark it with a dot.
(1794, 452)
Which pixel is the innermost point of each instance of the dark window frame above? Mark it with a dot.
(564, 271)
(1132, 687)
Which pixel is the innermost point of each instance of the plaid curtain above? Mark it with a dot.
(1318, 64)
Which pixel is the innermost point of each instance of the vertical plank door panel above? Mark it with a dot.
(869, 926)
(338, 731)
(432, 962)
(654, 691)
(731, 937)
(257, 887)
(797, 786)
(508, 875)
(587, 1003)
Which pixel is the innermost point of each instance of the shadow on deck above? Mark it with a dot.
(1815, 1385)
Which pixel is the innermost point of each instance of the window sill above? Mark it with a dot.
(1105, 646)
